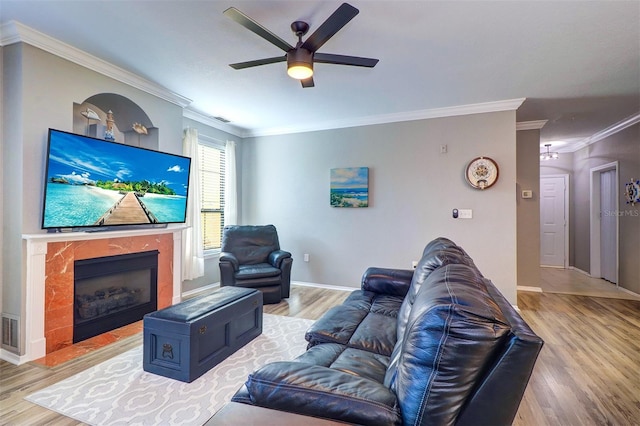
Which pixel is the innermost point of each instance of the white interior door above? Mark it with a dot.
(608, 226)
(552, 221)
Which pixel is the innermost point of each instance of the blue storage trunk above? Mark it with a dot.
(186, 340)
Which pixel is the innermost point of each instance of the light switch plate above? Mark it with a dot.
(465, 213)
(527, 193)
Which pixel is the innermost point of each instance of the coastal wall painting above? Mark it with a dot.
(350, 187)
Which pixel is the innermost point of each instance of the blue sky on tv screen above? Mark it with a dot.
(85, 160)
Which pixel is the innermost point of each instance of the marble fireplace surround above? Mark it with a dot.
(49, 278)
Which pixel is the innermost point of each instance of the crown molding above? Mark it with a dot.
(530, 125)
(480, 108)
(15, 32)
(609, 131)
(212, 122)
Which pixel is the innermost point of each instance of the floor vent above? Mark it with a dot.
(10, 332)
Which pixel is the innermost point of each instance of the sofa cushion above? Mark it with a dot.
(260, 270)
(375, 333)
(337, 325)
(452, 332)
(385, 304)
(349, 360)
(366, 320)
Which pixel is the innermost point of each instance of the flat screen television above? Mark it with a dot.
(93, 184)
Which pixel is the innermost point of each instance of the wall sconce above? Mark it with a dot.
(544, 156)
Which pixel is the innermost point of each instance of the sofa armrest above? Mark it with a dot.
(395, 282)
(231, 258)
(276, 258)
(319, 391)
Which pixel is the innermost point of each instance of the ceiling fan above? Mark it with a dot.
(300, 59)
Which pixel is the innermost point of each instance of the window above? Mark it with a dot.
(211, 161)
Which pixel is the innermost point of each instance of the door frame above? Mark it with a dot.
(594, 249)
(566, 214)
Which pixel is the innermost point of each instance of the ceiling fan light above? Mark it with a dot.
(300, 72)
(299, 64)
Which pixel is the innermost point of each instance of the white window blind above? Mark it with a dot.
(212, 165)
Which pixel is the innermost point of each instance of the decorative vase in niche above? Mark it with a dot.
(108, 133)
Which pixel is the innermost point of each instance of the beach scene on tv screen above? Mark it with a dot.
(96, 183)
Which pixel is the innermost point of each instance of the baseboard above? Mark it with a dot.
(629, 291)
(208, 288)
(13, 358)
(200, 290)
(327, 286)
(529, 288)
(573, 268)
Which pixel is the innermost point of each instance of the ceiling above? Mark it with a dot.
(577, 63)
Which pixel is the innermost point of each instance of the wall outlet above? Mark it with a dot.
(414, 264)
(443, 149)
(306, 257)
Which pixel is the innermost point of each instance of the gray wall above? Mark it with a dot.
(42, 88)
(412, 187)
(623, 147)
(12, 172)
(39, 90)
(1, 175)
(528, 209)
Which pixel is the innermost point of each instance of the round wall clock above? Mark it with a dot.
(482, 172)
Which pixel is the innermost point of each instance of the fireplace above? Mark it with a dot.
(49, 275)
(113, 291)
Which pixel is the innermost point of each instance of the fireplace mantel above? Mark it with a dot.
(36, 246)
(99, 235)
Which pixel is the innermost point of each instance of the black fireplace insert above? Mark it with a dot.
(113, 291)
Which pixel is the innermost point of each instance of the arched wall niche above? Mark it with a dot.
(125, 113)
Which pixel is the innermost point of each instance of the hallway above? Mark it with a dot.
(570, 281)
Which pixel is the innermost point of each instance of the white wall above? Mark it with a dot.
(413, 189)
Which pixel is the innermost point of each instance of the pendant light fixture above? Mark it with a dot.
(548, 155)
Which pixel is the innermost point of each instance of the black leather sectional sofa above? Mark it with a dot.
(436, 346)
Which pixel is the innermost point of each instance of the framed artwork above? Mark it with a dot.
(350, 187)
(632, 192)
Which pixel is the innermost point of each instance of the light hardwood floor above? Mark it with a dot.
(588, 372)
(571, 281)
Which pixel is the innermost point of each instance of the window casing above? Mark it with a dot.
(211, 161)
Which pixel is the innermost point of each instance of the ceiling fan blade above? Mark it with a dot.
(258, 29)
(332, 25)
(307, 82)
(249, 64)
(329, 58)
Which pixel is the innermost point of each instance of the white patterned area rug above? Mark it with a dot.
(119, 392)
